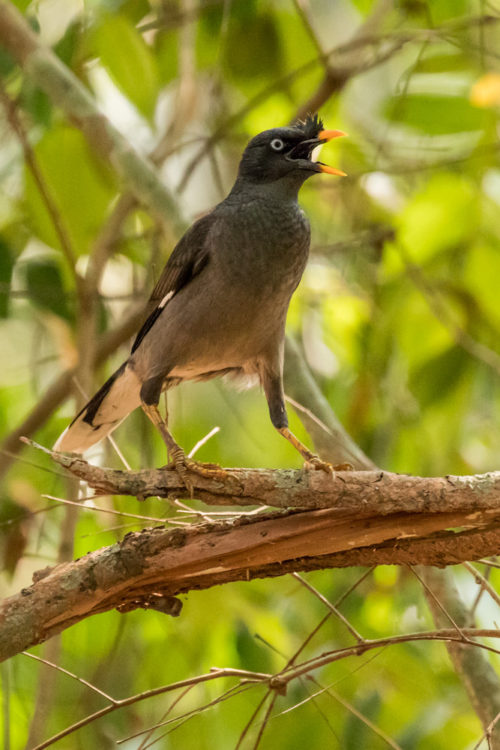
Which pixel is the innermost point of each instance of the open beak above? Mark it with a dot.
(323, 137)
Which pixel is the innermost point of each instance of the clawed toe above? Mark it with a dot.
(213, 471)
(183, 465)
(315, 462)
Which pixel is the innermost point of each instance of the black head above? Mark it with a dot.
(286, 153)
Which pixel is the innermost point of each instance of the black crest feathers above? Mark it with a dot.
(310, 127)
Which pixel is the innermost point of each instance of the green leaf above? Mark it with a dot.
(166, 55)
(434, 115)
(444, 10)
(45, 286)
(7, 63)
(439, 376)
(78, 185)
(68, 44)
(441, 216)
(252, 653)
(22, 4)
(135, 10)
(129, 61)
(6, 266)
(36, 103)
(442, 63)
(356, 733)
(248, 34)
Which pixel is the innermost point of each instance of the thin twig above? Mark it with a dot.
(111, 511)
(483, 582)
(70, 674)
(213, 675)
(330, 606)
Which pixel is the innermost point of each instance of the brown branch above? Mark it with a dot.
(246, 678)
(152, 566)
(378, 492)
(148, 568)
(472, 666)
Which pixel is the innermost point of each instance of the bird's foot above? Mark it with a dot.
(346, 466)
(184, 465)
(315, 462)
(204, 469)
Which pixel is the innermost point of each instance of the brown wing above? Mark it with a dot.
(188, 258)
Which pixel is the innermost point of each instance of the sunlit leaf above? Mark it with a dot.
(442, 63)
(78, 187)
(433, 114)
(442, 215)
(128, 60)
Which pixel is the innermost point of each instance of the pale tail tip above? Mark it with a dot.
(59, 442)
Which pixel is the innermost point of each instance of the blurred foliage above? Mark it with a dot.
(398, 313)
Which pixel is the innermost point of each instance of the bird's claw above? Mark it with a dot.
(315, 462)
(346, 466)
(183, 465)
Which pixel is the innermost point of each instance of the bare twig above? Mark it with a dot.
(330, 606)
(70, 674)
(212, 675)
(483, 582)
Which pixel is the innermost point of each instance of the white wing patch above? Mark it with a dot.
(166, 299)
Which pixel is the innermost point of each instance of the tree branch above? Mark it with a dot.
(379, 492)
(148, 568)
(370, 518)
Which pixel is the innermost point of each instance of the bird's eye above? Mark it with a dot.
(277, 144)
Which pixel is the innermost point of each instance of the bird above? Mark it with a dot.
(220, 305)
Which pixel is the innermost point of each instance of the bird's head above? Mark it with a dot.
(286, 153)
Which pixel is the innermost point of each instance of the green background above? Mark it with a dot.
(398, 316)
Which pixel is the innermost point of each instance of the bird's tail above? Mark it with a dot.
(111, 404)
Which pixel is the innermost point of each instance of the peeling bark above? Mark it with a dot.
(149, 568)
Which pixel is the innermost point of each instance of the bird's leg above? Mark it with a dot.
(165, 403)
(175, 453)
(273, 388)
(178, 459)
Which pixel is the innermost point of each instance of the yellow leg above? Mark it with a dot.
(310, 458)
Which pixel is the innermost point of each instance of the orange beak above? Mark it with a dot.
(328, 135)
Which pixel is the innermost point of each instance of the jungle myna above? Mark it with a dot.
(220, 304)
